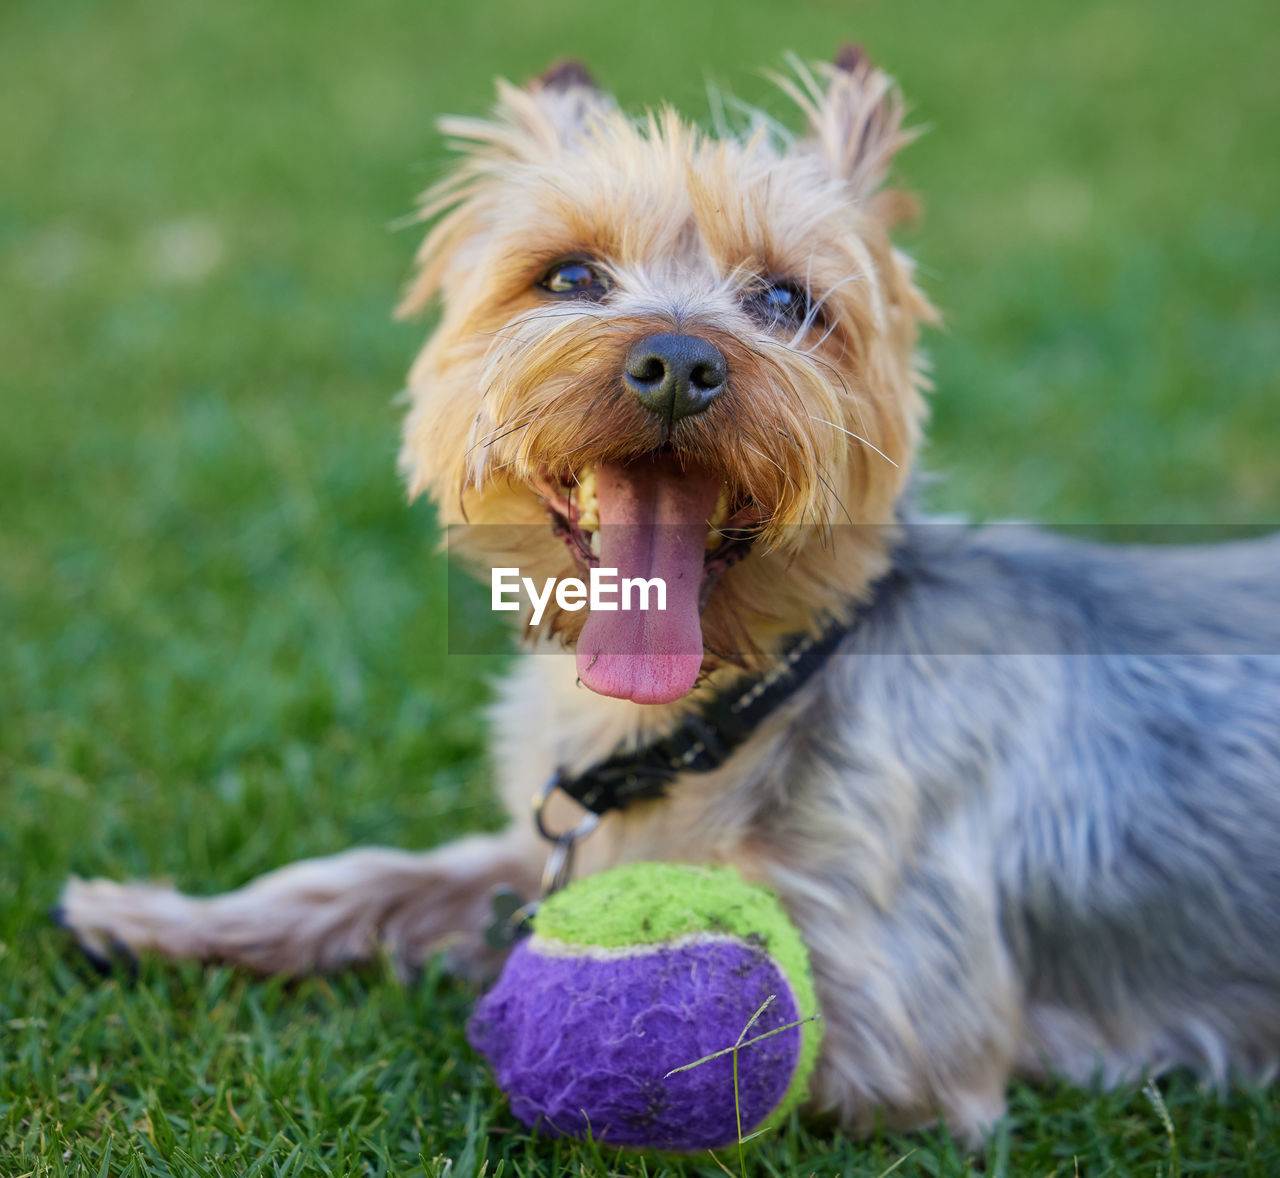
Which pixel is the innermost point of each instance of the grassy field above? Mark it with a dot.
(221, 630)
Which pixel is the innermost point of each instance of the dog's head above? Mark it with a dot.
(675, 354)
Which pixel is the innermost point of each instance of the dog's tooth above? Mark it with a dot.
(584, 496)
(719, 517)
(594, 542)
(721, 513)
(586, 492)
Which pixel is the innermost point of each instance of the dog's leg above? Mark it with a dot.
(910, 1037)
(319, 914)
(921, 1005)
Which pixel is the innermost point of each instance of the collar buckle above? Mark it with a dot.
(559, 868)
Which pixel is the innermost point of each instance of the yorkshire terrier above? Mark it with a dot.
(1020, 792)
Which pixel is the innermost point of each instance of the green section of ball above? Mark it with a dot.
(650, 904)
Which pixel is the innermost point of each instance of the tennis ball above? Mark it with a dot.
(641, 970)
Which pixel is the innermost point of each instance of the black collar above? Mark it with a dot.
(705, 739)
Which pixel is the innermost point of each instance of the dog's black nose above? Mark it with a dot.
(675, 376)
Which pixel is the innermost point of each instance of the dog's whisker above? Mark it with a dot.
(853, 398)
(785, 473)
(489, 439)
(578, 449)
(826, 335)
(825, 476)
(538, 419)
(578, 311)
(815, 311)
(856, 437)
(580, 343)
(524, 425)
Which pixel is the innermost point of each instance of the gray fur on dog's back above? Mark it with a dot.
(1103, 724)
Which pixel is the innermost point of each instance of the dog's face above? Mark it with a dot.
(672, 354)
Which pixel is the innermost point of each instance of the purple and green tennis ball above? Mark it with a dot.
(635, 972)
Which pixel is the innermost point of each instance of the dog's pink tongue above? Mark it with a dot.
(653, 523)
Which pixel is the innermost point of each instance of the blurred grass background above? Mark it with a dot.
(221, 632)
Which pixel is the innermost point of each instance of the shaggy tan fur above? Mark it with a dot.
(817, 430)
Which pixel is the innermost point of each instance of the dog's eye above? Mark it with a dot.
(574, 278)
(781, 302)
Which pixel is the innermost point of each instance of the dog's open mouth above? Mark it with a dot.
(650, 518)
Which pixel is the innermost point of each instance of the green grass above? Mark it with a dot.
(222, 629)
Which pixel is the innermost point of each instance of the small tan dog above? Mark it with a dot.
(672, 352)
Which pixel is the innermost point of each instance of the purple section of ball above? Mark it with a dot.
(583, 1043)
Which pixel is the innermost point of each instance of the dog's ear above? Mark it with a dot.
(530, 125)
(566, 74)
(854, 113)
(532, 121)
(567, 96)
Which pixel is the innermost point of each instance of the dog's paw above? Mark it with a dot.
(113, 922)
(972, 1116)
(99, 962)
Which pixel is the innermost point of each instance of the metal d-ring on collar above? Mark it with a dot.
(559, 868)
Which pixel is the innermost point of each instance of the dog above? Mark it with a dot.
(1020, 792)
